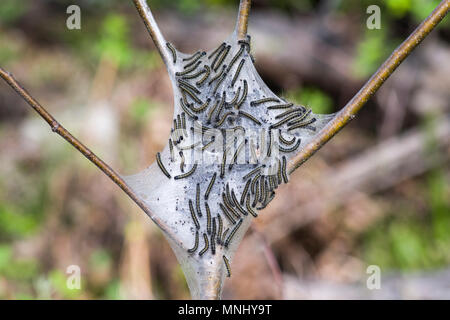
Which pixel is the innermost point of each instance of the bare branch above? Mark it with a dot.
(153, 29)
(242, 21)
(372, 85)
(59, 129)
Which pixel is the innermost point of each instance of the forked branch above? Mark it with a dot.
(242, 21)
(155, 33)
(59, 129)
(372, 85)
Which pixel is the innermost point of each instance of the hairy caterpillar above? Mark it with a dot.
(161, 165)
(187, 174)
(173, 51)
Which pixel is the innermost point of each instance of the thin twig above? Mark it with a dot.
(242, 21)
(155, 33)
(371, 86)
(59, 129)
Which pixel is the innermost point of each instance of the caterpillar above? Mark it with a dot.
(281, 106)
(227, 214)
(195, 60)
(210, 185)
(222, 58)
(244, 193)
(227, 265)
(222, 120)
(186, 84)
(213, 243)
(182, 161)
(217, 50)
(234, 59)
(229, 207)
(248, 175)
(250, 117)
(219, 54)
(211, 111)
(236, 96)
(232, 233)
(281, 122)
(264, 100)
(186, 110)
(222, 78)
(197, 200)
(202, 107)
(283, 170)
(288, 113)
(244, 96)
(192, 146)
(254, 181)
(208, 144)
(236, 203)
(219, 231)
(301, 117)
(249, 208)
(208, 219)
(206, 247)
(228, 194)
(221, 105)
(255, 200)
(171, 150)
(222, 166)
(173, 51)
(207, 72)
(192, 56)
(187, 174)
(195, 247)
(217, 76)
(293, 148)
(224, 235)
(269, 150)
(191, 94)
(194, 75)
(236, 154)
(238, 71)
(303, 124)
(262, 190)
(189, 70)
(194, 217)
(283, 140)
(161, 165)
(279, 172)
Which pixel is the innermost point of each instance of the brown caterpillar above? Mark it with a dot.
(161, 165)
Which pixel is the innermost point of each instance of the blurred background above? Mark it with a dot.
(377, 194)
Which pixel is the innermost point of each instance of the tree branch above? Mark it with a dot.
(155, 33)
(372, 85)
(242, 21)
(59, 129)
